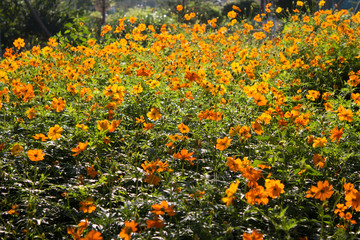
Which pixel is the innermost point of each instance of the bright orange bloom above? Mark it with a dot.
(148, 126)
(154, 114)
(179, 8)
(345, 114)
(274, 188)
(312, 95)
(255, 235)
(183, 128)
(336, 134)
(114, 124)
(103, 125)
(36, 155)
(251, 174)
(231, 14)
(257, 195)
(222, 143)
(87, 206)
(19, 43)
(184, 154)
(129, 228)
(93, 235)
(58, 104)
(31, 113)
(322, 191)
(40, 136)
(52, 42)
(353, 199)
(79, 148)
(356, 98)
(55, 132)
(260, 99)
(162, 208)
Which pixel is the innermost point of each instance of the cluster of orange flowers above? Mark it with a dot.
(192, 64)
(153, 169)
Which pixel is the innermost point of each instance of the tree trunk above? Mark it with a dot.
(37, 18)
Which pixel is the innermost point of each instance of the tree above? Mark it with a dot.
(20, 20)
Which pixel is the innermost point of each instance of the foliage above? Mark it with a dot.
(16, 19)
(184, 131)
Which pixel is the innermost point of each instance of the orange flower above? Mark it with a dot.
(40, 136)
(154, 114)
(103, 125)
(345, 114)
(148, 126)
(36, 155)
(336, 134)
(87, 206)
(257, 195)
(58, 104)
(31, 113)
(183, 128)
(91, 171)
(255, 235)
(231, 14)
(274, 188)
(223, 143)
(353, 199)
(156, 222)
(179, 8)
(318, 160)
(322, 191)
(257, 127)
(162, 208)
(19, 43)
(184, 154)
(79, 148)
(55, 132)
(152, 179)
(93, 235)
(52, 42)
(129, 228)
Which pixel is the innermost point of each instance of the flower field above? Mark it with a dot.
(242, 131)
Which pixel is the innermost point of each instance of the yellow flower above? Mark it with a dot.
(300, 3)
